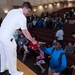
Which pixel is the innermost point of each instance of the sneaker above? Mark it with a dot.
(23, 60)
(43, 70)
(18, 73)
(3, 71)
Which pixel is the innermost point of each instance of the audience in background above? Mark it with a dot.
(34, 22)
(69, 48)
(59, 34)
(21, 41)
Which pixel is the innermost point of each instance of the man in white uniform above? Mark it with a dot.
(14, 20)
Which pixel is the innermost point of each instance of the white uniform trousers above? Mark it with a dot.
(9, 55)
(53, 73)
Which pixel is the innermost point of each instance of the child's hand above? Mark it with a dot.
(44, 42)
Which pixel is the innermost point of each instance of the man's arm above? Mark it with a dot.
(46, 50)
(28, 36)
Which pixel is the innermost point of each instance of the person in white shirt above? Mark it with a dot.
(59, 34)
(15, 19)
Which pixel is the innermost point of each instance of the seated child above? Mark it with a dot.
(32, 49)
(40, 60)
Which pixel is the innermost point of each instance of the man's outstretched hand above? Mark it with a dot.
(34, 42)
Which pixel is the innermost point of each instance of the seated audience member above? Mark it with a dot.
(62, 25)
(34, 22)
(40, 22)
(32, 49)
(69, 48)
(32, 46)
(58, 60)
(40, 60)
(21, 41)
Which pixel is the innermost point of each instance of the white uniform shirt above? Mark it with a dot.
(59, 34)
(13, 21)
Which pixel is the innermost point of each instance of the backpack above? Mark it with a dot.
(60, 57)
(66, 71)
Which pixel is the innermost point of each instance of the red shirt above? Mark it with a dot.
(34, 47)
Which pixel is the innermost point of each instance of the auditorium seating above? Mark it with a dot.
(70, 62)
(73, 72)
(65, 9)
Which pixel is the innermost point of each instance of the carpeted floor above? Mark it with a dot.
(29, 62)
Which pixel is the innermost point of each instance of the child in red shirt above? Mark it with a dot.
(32, 49)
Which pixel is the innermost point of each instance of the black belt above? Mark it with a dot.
(11, 39)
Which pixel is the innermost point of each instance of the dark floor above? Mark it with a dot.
(29, 62)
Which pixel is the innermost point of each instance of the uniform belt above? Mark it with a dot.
(11, 39)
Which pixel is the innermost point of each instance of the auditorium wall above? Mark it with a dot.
(52, 7)
(39, 6)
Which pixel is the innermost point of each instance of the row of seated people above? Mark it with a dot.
(67, 39)
(31, 50)
(49, 36)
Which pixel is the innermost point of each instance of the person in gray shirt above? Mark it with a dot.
(69, 48)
